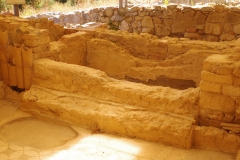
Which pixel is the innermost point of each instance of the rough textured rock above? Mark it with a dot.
(215, 139)
(79, 78)
(110, 117)
(108, 57)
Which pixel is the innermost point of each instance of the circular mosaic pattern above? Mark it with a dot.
(36, 133)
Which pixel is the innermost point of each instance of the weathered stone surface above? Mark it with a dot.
(227, 27)
(101, 54)
(211, 77)
(236, 29)
(216, 139)
(233, 18)
(162, 30)
(191, 35)
(227, 37)
(219, 64)
(110, 118)
(168, 22)
(2, 92)
(70, 49)
(220, 8)
(178, 27)
(199, 18)
(231, 90)
(177, 16)
(213, 28)
(210, 87)
(109, 11)
(218, 102)
(191, 30)
(210, 38)
(147, 22)
(215, 17)
(124, 26)
(157, 20)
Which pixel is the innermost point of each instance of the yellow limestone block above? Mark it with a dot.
(12, 75)
(1, 78)
(18, 55)
(10, 54)
(3, 55)
(27, 74)
(4, 67)
(27, 57)
(20, 80)
(4, 38)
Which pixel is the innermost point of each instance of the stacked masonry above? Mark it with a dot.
(210, 23)
(220, 90)
(20, 45)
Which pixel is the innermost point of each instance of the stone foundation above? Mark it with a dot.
(111, 82)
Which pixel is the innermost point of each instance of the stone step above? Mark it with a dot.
(110, 117)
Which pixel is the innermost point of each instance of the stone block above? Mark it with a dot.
(227, 27)
(20, 82)
(220, 8)
(191, 30)
(215, 139)
(218, 102)
(177, 16)
(5, 72)
(177, 48)
(236, 81)
(199, 18)
(27, 57)
(37, 42)
(210, 87)
(162, 30)
(211, 114)
(236, 72)
(227, 37)
(191, 35)
(211, 77)
(210, 38)
(27, 75)
(233, 18)
(219, 64)
(178, 27)
(147, 22)
(215, 17)
(213, 28)
(12, 75)
(102, 55)
(224, 70)
(156, 20)
(236, 29)
(231, 90)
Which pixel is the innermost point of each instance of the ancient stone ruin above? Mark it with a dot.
(173, 90)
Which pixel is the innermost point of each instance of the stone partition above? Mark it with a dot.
(220, 91)
(206, 22)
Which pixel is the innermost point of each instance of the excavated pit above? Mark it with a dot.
(176, 91)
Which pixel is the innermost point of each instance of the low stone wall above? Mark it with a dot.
(220, 91)
(207, 22)
(86, 96)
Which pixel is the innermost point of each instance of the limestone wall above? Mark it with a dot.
(207, 22)
(20, 44)
(220, 92)
(86, 96)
